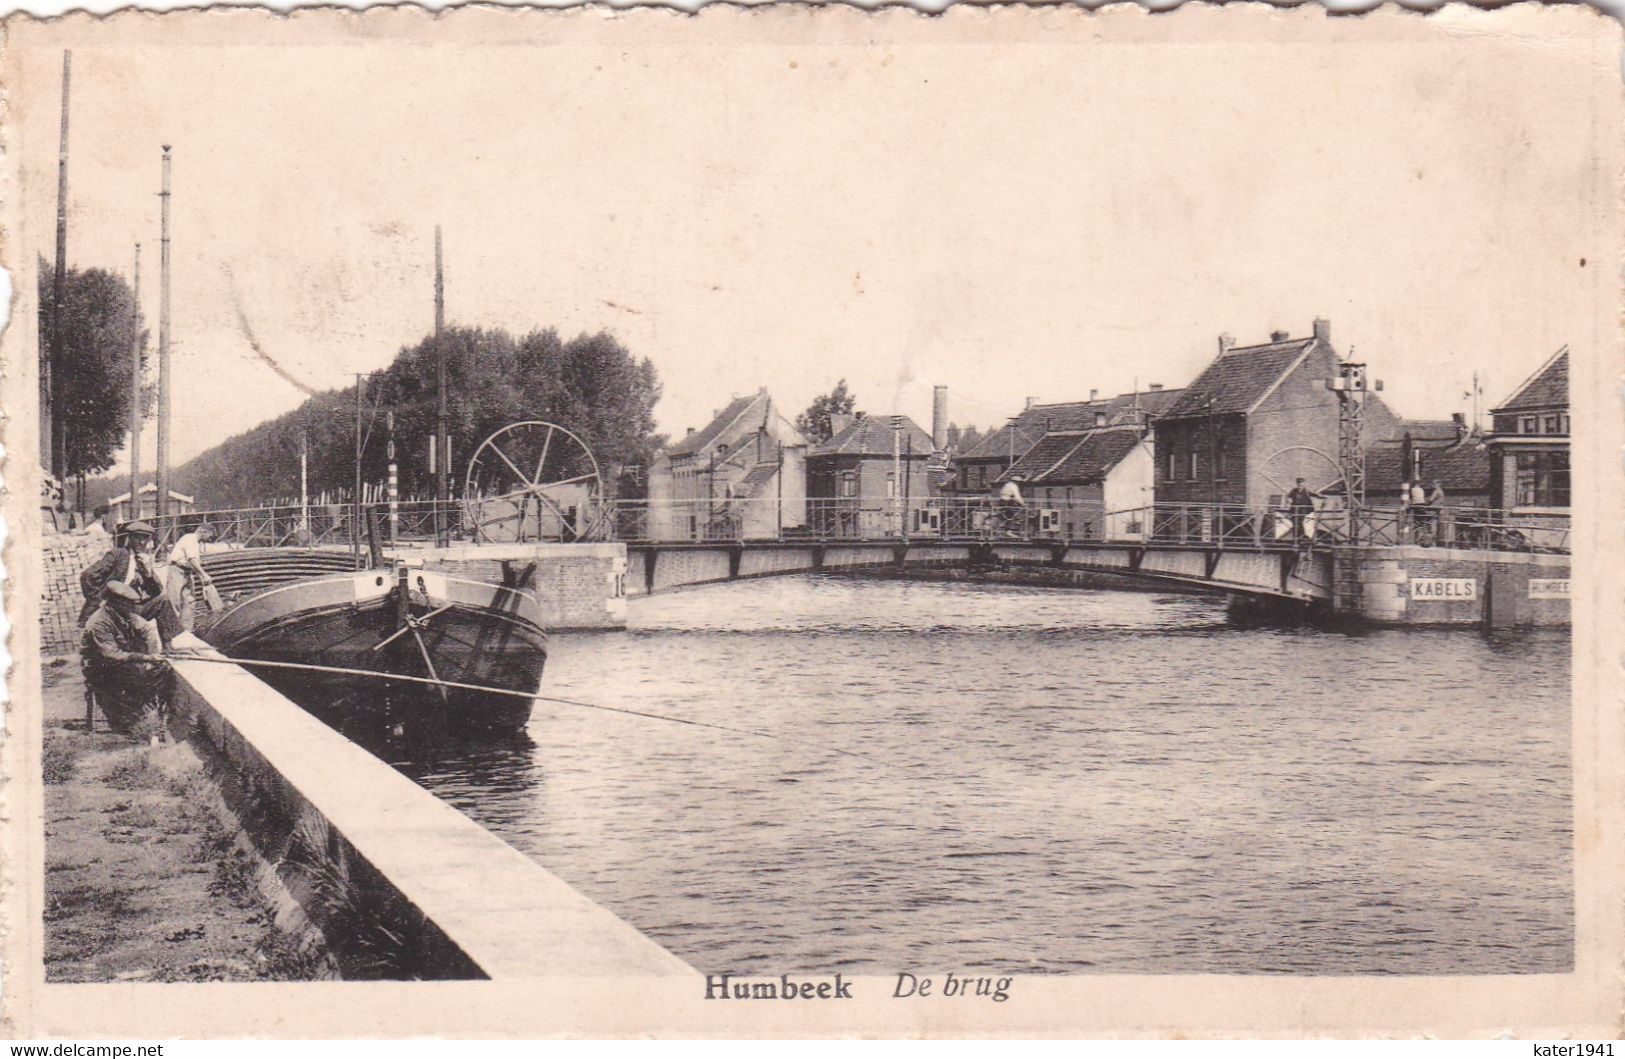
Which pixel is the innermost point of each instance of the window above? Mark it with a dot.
(1543, 479)
(1554, 424)
(1218, 464)
(891, 486)
(1190, 475)
(1173, 461)
(1529, 425)
(849, 483)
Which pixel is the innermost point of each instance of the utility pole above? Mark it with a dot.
(135, 389)
(355, 527)
(442, 437)
(394, 476)
(897, 470)
(53, 427)
(163, 345)
(304, 479)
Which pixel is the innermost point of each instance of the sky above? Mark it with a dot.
(1034, 216)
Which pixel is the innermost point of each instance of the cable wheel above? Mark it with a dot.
(533, 481)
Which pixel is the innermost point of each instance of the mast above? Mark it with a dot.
(162, 484)
(53, 428)
(135, 390)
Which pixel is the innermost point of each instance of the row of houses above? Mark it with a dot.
(1255, 420)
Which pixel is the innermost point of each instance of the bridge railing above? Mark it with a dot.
(945, 519)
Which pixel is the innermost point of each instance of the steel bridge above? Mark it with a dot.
(1255, 552)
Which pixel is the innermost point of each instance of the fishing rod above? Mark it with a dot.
(401, 678)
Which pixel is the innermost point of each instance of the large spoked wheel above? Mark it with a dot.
(1320, 472)
(533, 481)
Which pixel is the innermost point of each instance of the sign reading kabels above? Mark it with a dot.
(1444, 589)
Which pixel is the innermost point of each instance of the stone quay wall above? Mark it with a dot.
(1444, 586)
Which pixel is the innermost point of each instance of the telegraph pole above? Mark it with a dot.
(135, 390)
(394, 477)
(897, 470)
(355, 527)
(163, 346)
(442, 438)
(53, 429)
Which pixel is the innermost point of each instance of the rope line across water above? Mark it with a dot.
(444, 684)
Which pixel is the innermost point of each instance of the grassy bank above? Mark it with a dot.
(146, 876)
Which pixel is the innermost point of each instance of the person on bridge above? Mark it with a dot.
(1010, 507)
(1300, 503)
(122, 654)
(187, 579)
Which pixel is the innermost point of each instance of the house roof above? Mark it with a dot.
(755, 479)
(1075, 457)
(871, 435)
(1238, 379)
(1422, 428)
(740, 408)
(1547, 388)
(1093, 458)
(1049, 451)
(1463, 468)
(150, 489)
(1040, 419)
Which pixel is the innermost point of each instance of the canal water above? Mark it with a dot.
(978, 776)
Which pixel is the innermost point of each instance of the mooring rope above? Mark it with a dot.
(402, 678)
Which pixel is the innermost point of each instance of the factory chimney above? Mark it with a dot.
(939, 418)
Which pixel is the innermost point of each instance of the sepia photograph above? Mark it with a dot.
(1023, 522)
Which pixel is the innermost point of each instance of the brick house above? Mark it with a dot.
(744, 474)
(1094, 483)
(1255, 420)
(979, 469)
(1529, 443)
(852, 482)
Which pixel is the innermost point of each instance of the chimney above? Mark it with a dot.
(939, 417)
(1323, 329)
(1280, 336)
(690, 430)
(1093, 394)
(838, 422)
(1155, 387)
(1030, 402)
(1227, 342)
(953, 437)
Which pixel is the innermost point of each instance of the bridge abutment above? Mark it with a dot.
(1410, 585)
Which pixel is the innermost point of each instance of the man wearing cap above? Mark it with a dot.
(187, 578)
(1300, 501)
(131, 564)
(123, 658)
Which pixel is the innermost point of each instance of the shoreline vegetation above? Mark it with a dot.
(147, 876)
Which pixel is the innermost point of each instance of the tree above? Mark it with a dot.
(591, 385)
(90, 379)
(814, 423)
(969, 438)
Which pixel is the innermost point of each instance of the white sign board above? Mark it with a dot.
(1548, 588)
(1444, 589)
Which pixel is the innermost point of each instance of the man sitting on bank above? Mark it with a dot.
(123, 658)
(131, 563)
